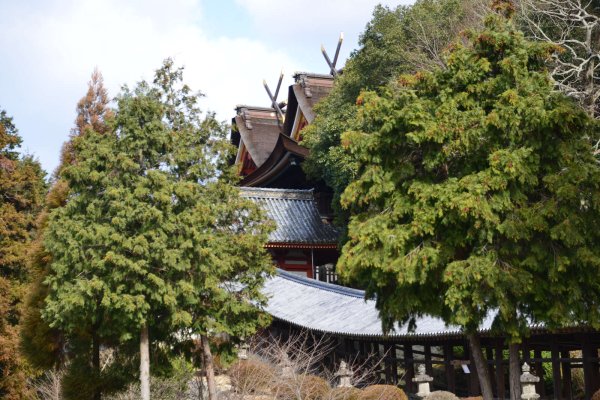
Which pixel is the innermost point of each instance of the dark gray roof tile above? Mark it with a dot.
(295, 215)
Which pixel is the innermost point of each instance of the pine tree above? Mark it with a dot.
(154, 239)
(477, 192)
(21, 197)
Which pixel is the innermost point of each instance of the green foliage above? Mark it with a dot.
(154, 231)
(174, 386)
(22, 189)
(477, 190)
(44, 346)
(382, 392)
(395, 41)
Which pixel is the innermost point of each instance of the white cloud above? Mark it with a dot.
(49, 48)
(291, 17)
(49, 53)
(314, 22)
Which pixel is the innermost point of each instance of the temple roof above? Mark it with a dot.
(295, 214)
(286, 155)
(307, 90)
(259, 130)
(323, 307)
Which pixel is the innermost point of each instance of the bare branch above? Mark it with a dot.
(570, 25)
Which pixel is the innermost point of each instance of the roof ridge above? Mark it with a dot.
(311, 75)
(256, 108)
(248, 188)
(346, 291)
(289, 194)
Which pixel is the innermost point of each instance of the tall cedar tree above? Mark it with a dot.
(44, 346)
(477, 193)
(396, 41)
(22, 190)
(154, 240)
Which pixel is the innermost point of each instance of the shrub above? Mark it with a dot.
(345, 393)
(303, 387)
(160, 388)
(441, 395)
(596, 396)
(382, 392)
(251, 376)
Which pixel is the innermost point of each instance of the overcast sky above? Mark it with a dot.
(49, 48)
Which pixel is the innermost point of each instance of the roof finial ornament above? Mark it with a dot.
(333, 63)
(273, 97)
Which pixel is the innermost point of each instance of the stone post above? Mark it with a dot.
(528, 381)
(287, 368)
(344, 374)
(422, 380)
(243, 351)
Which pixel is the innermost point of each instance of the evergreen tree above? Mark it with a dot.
(404, 39)
(477, 192)
(44, 346)
(22, 189)
(154, 240)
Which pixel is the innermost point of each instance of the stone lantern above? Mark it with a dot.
(344, 374)
(422, 380)
(528, 381)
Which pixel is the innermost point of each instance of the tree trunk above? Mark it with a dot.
(145, 363)
(481, 367)
(514, 371)
(209, 368)
(96, 365)
(589, 74)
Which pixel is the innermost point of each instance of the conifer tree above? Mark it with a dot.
(477, 193)
(399, 40)
(154, 240)
(22, 189)
(42, 345)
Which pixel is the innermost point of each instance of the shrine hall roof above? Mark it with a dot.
(258, 128)
(295, 214)
(323, 307)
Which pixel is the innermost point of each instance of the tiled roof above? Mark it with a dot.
(323, 307)
(295, 214)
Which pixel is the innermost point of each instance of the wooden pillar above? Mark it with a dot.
(539, 371)
(566, 374)
(428, 365)
(526, 351)
(410, 367)
(387, 354)
(591, 375)
(449, 367)
(348, 349)
(395, 363)
(489, 353)
(556, 377)
(499, 361)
